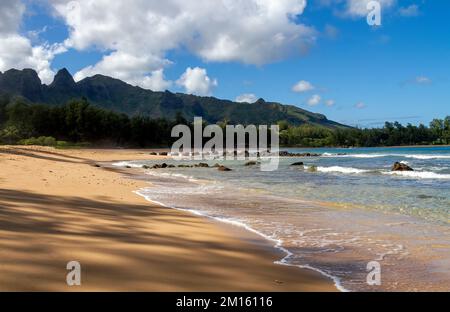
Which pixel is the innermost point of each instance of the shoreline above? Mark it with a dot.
(277, 243)
(350, 148)
(242, 229)
(389, 224)
(58, 205)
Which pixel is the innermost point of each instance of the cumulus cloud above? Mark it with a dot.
(302, 86)
(196, 81)
(314, 100)
(246, 98)
(329, 103)
(11, 12)
(17, 51)
(128, 67)
(360, 105)
(156, 81)
(412, 10)
(141, 33)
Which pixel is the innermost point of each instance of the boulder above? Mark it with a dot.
(157, 166)
(300, 163)
(223, 168)
(398, 166)
(145, 167)
(202, 165)
(163, 154)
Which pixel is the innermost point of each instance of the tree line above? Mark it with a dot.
(80, 122)
(391, 134)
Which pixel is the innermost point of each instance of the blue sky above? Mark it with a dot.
(366, 75)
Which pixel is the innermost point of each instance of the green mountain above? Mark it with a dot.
(116, 95)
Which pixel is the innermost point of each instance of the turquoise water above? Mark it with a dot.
(349, 211)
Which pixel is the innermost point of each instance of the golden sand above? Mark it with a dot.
(57, 206)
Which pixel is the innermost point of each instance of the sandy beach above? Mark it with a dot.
(62, 205)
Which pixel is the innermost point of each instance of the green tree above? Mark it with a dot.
(10, 135)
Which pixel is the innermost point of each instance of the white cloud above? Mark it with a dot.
(17, 51)
(302, 86)
(196, 81)
(246, 98)
(360, 105)
(130, 68)
(329, 103)
(156, 81)
(423, 80)
(247, 31)
(11, 12)
(314, 100)
(412, 10)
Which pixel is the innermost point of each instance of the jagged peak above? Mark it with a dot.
(63, 72)
(63, 78)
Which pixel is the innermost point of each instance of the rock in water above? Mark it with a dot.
(300, 163)
(223, 168)
(401, 167)
(251, 163)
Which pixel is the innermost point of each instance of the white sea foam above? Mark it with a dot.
(162, 174)
(419, 174)
(406, 174)
(425, 157)
(339, 169)
(413, 156)
(126, 163)
(354, 155)
(278, 242)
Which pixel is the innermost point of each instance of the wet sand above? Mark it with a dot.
(62, 205)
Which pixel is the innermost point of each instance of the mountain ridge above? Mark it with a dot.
(117, 95)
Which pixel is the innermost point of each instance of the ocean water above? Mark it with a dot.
(352, 210)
